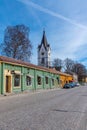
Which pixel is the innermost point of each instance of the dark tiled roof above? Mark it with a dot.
(22, 63)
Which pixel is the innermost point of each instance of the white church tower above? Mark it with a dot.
(44, 51)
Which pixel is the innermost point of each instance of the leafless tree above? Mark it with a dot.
(80, 70)
(16, 42)
(68, 65)
(57, 64)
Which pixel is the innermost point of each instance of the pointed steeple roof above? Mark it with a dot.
(44, 41)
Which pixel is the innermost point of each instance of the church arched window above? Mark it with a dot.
(42, 61)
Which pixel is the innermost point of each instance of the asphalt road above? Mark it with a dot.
(60, 109)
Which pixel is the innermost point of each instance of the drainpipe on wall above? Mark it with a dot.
(50, 81)
(22, 80)
(43, 81)
(2, 80)
(35, 80)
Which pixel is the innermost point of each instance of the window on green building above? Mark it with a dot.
(52, 81)
(28, 80)
(39, 80)
(46, 79)
(16, 80)
(58, 80)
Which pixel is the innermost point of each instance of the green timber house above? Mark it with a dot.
(19, 76)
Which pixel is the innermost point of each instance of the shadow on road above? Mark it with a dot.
(61, 110)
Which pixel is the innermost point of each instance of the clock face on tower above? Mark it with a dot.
(42, 53)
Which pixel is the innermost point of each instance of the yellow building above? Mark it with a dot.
(64, 77)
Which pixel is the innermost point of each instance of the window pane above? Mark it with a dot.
(52, 81)
(16, 80)
(28, 80)
(58, 80)
(39, 80)
(46, 79)
(42, 61)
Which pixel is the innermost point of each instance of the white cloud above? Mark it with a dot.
(47, 11)
(71, 45)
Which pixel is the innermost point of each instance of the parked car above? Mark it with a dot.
(67, 85)
(77, 84)
(70, 85)
(73, 84)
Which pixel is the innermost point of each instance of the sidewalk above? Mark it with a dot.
(29, 92)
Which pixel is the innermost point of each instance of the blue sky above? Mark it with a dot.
(65, 23)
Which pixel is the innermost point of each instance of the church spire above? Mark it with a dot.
(44, 40)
